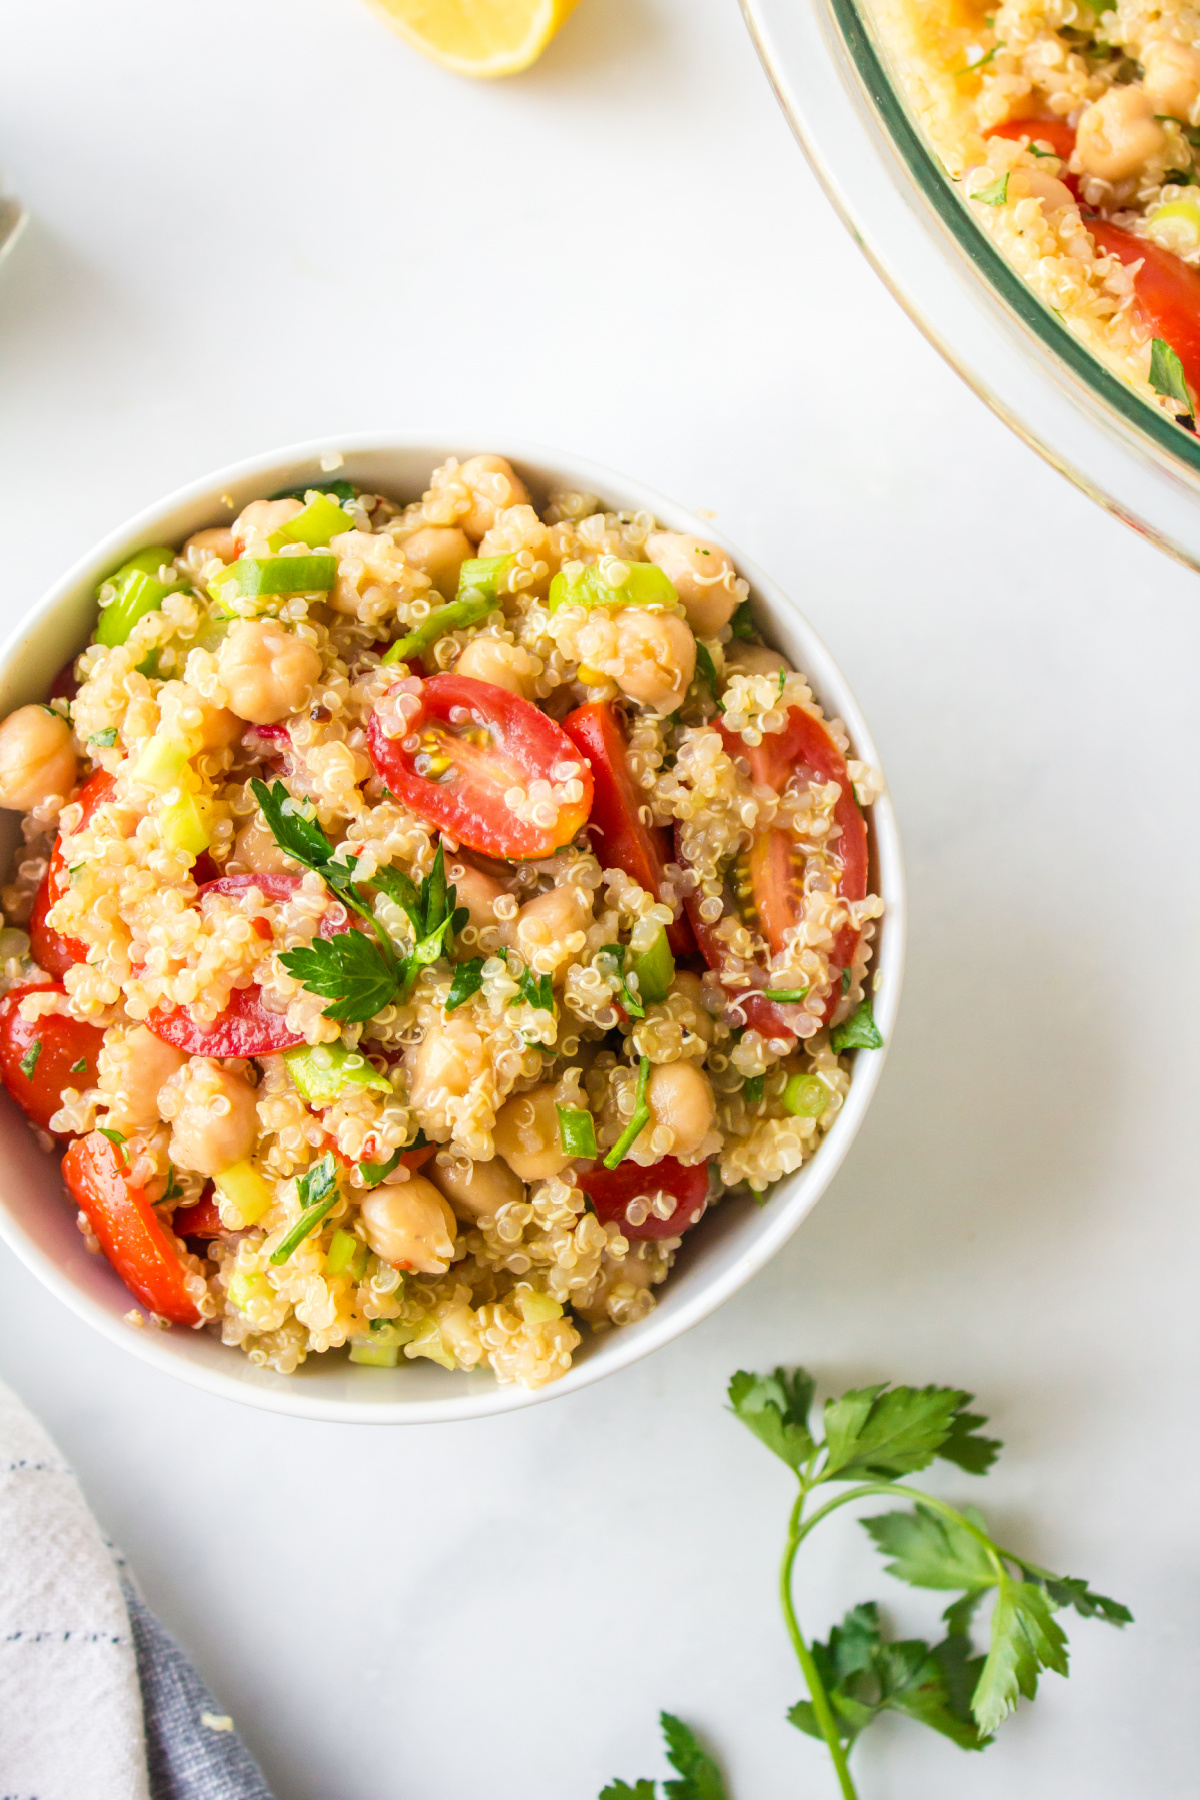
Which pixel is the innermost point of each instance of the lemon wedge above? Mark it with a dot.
(478, 37)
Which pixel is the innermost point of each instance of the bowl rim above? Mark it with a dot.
(831, 78)
(620, 1348)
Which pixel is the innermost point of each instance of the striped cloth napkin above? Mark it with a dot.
(99, 1703)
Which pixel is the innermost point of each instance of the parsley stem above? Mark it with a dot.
(867, 1489)
(822, 1710)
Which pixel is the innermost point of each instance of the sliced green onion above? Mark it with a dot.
(655, 971)
(482, 575)
(636, 1125)
(29, 1061)
(321, 520)
(276, 575)
(323, 1071)
(576, 1132)
(787, 995)
(752, 1089)
(858, 1032)
(346, 1255)
(645, 584)
(469, 609)
(137, 590)
(805, 1096)
(374, 1355)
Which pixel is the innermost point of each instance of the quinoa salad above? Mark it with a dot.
(1074, 133)
(425, 913)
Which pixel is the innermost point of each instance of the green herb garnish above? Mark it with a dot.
(742, 623)
(373, 1173)
(1167, 376)
(629, 1000)
(700, 1778)
(638, 1123)
(537, 990)
(752, 1089)
(318, 1191)
(105, 739)
(707, 670)
(468, 979)
(993, 193)
(858, 1032)
(117, 1138)
(29, 1061)
(172, 1191)
(78, 1068)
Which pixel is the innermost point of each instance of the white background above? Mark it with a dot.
(262, 220)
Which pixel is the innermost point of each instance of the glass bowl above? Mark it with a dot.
(831, 76)
(729, 1245)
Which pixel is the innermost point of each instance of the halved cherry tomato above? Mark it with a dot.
(611, 1190)
(245, 1028)
(64, 1043)
(1056, 132)
(52, 950)
(480, 741)
(131, 1235)
(619, 836)
(804, 750)
(1167, 292)
(203, 1220)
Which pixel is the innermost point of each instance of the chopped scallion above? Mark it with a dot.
(576, 1131)
(276, 575)
(469, 609)
(805, 1096)
(636, 1125)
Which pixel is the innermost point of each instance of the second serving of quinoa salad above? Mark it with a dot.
(1074, 131)
(425, 913)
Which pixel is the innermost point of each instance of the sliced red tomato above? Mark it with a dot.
(52, 950)
(804, 751)
(1167, 292)
(1056, 132)
(475, 742)
(618, 834)
(65, 1055)
(203, 1220)
(245, 1028)
(611, 1190)
(131, 1234)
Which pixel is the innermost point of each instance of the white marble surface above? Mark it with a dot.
(254, 223)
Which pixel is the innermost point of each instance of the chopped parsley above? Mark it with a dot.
(858, 1032)
(1167, 377)
(104, 740)
(993, 193)
(29, 1061)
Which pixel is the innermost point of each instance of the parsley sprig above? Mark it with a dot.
(872, 1436)
(700, 1778)
(361, 975)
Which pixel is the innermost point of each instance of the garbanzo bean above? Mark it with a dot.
(266, 671)
(202, 546)
(701, 573)
(1172, 78)
(658, 657)
(37, 758)
(1035, 184)
(410, 1226)
(742, 658)
(450, 1056)
(494, 485)
(255, 523)
(214, 1117)
(439, 551)
(545, 923)
(480, 1189)
(527, 1137)
(255, 852)
(478, 893)
(135, 1071)
(1118, 134)
(680, 1097)
(504, 665)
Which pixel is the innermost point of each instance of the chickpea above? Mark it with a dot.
(703, 576)
(214, 1117)
(202, 546)
(631, 1273)
(545, 923)
(266, 671)
(526, 1135)
(478, 893)
(255, 852)
(410, 1226)
(742, 658)
(494, 484)
(1035, 184)
(504, 665)
(255, 523)
(1172, 78)
(439, 551)
(135, 1070)
(1118, 134)
(658, 657)
(449, 1056)
(680, 1097)
(37, 758)
(482, 1189)
(218, 726)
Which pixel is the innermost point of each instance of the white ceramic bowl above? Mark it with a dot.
(730, 1245)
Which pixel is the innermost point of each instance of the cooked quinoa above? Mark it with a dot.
(1075, 135)
(445, 1067)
